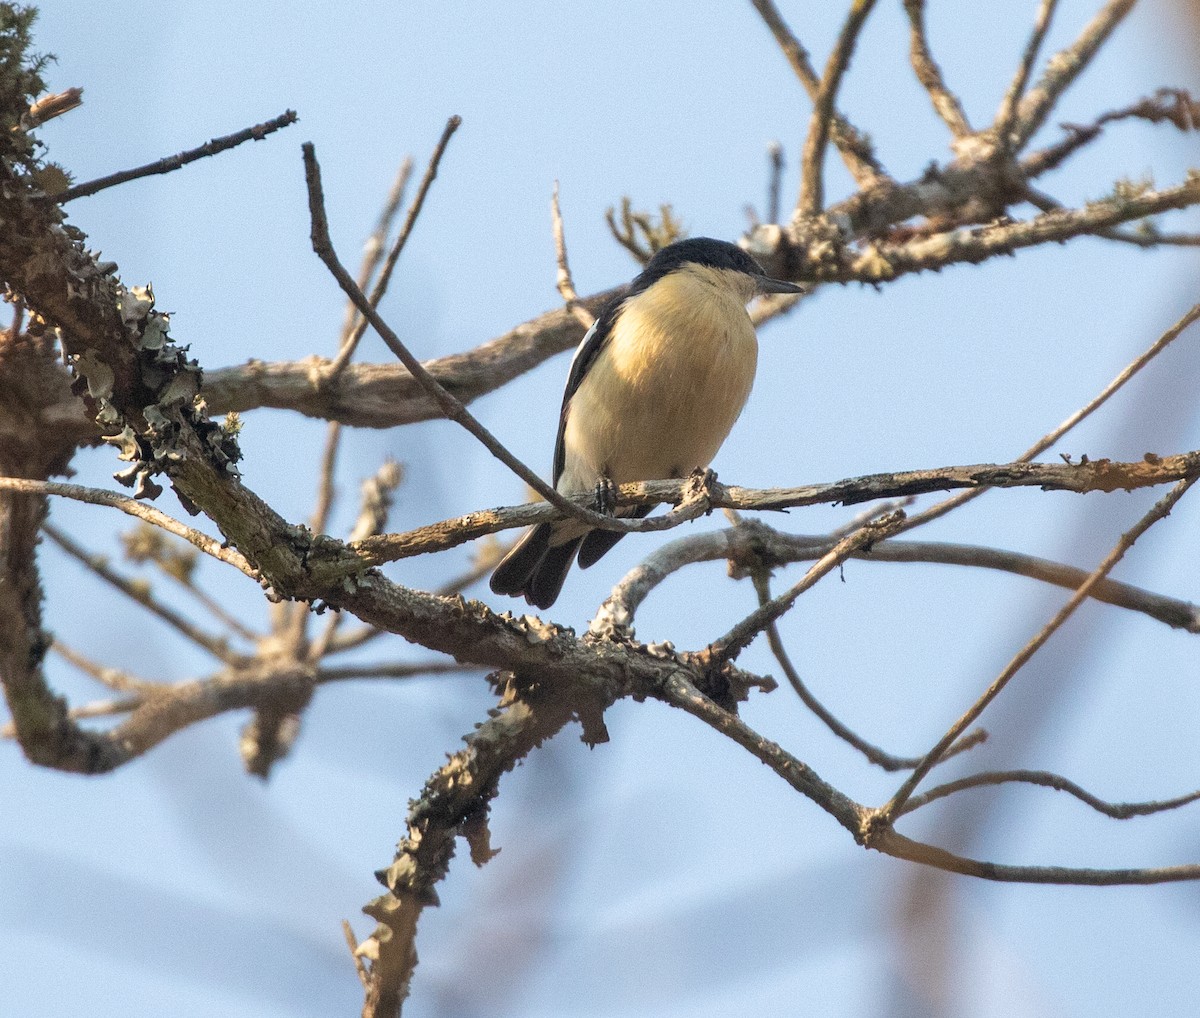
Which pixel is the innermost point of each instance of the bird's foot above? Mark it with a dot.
(699, 488)
(605, 496)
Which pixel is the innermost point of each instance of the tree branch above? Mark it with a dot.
(812, 166)
(1063, 68)
(1116, 810)
(176, 162)
(385, 274)
(853, 146)
(929, 74)
(1159, 511)
(1083, 476)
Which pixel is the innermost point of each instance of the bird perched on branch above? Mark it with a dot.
(654, 389)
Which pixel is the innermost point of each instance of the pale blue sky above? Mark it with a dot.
(666, 872)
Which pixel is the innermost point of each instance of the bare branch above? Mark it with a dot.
(566, 285)
(1016, 89)
(140, 592)
(1169, 105)
(175, 162)
(854, 148)
(929, 74)
(372, 254)
(399, 670)
(1063, 68)
(812, 172)
(1159, 511)
(132, 507)
(892, 843)
(451, 407)
(1116, 810)
(1087, 475)
(410, 220)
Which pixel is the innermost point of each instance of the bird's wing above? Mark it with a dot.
(585, 356)
(591, 345)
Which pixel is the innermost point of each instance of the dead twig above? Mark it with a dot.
(851, 144)
(410, 220)
(884, 816)
(1045, 779)
(175, 162)
(812, 175)
(564, 282)
(451, 407)
(929, 74)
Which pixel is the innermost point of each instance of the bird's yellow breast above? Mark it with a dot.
(666, 389)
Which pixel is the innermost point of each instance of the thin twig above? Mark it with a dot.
(95, 709)
(1016, 89)
(410, 220)
(132, 507)
(929, 74)
(376, 245)
(1116, 810)
(114, 678)
(678, 691)
(853, 146)
(1051, 437)
(1062, 69)
(175, 162)
(566, 285)
(400, 670)
(451, 407)
(895, 844)
(876, 755)
(1172, 105)
(812, 176)
(140, 592)
(352, 942)
(1082, 476)
(740, 636)
(774, 180)
(1159, 511)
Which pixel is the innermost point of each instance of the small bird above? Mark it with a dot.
(654, 389)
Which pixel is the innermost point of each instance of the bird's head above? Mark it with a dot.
(724, 263)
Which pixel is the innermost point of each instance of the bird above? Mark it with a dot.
(654, 388)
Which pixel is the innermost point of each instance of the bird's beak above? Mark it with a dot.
(765, 284)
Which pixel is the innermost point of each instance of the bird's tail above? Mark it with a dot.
(535, 568)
